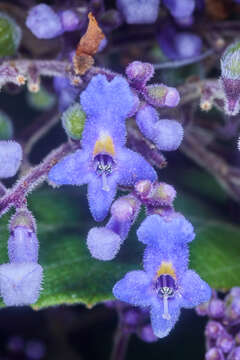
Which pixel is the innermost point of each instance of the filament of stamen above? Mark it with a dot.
(165, 314)
(105, 185)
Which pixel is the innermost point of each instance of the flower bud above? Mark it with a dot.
(225, 342)
(216, 308)
(10, 158)
(125, 208)
(10, 35)
(146, 334)
(213, 329)
(70, 20)
(139, 73)
(230, 78)
(20, 284)
(202, 309)
(103, 243)
(6, 126)
(214, 354)
(139, 11)
(160, 95)
(73, 120)
(143, 188)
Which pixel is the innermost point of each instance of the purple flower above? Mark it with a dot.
(178, 45)
(43, 22)
(214, 354)
(166, 134)
(180, 8)
(139, 11)
(70, 20)
(103, 243)
(164, 287)
(155, 230)
(10, 158)
(139, 73)
(104, 162)
(20, 284)
(67, 92)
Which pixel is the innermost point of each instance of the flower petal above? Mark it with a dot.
(100, 200)
(107, 99)
(194, 290)
(71, 170)
(10, 158)
(164, 232)
(134, 289)
(132, 167)
(162, 327)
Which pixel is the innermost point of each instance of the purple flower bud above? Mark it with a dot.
(131, 316)
(234, 354)
(161, 95)
(232, 312)
(213, 329)
(225, 342)
(166, 134)
(143, 188)
(43, 22)
(216, 308)
(20, 284)
(237, 338)
(139, 73)
(10, 158)
(139, 11)
(214, 354)
(125, 208)
(146, 334)
(23, 245)
(103, 243)
(180, 8)
(70, 20)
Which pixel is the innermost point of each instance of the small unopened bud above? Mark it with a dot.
(70, 20)
(10, 158)
(213, 329)
(139, 73)
(139, 12)
(225, 342)
(73, 120)
(41, 100)
(216, 308)
(214, 354)
(163, 194)
(161, 95)
(202, 309)
(230, 78)
(143, 188)
(10, 35)
(234, 354)
(125, 208)
(146, 334)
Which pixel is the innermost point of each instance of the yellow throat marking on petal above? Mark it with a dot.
(166, 268)
(104, 145)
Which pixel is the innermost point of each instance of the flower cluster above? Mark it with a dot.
(223, 328)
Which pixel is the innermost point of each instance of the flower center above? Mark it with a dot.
(165, 287)
(103, 165)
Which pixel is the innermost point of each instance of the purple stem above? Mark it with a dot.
(120, 345)
(37, 175)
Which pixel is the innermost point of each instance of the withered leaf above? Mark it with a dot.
(88, 46)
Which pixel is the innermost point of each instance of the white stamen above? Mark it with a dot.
(105, 185)
(165, 314)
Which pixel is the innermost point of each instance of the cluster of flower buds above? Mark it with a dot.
(223, 328)
(20, 279)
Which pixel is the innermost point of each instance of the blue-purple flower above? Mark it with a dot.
(166, 285)
(104, 162)
(10, 158)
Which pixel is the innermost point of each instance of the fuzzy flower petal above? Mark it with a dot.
(103, 243)
(20, 284)
(113, 100)
(133, 167)
(180, 8)
(194, 291)
(139, 11)
(162, 327)
(10, 158)
(71, 170)
(99, 199)
(157, 230)
(23, 245)
(134, 289)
